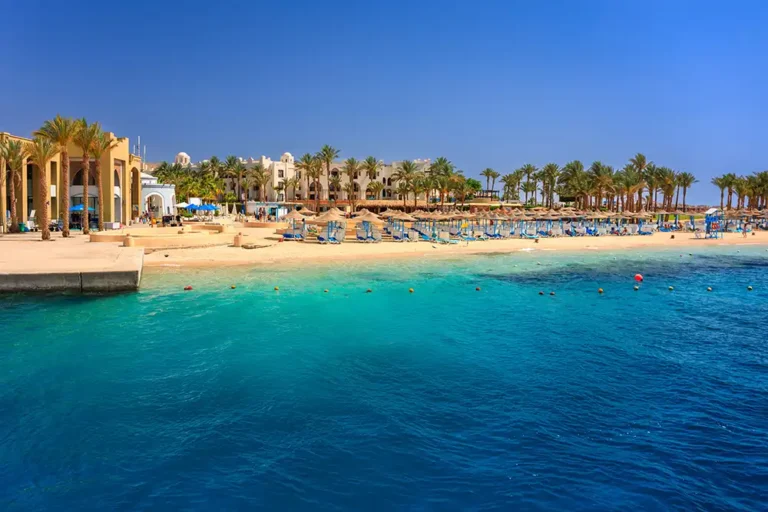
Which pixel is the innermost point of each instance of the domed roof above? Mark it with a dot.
(287, 155)
(182, 155)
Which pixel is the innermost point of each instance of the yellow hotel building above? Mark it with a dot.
(121, 183)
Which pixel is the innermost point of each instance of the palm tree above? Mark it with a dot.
(41, 151)
(61, 131)
(419, 185)
(740, 186)
(304, 164)
(509, 186)
(15, 156)
(640, 163)
(84, 138)
(402, 189)
(666, 182)
(334, 186)
(440, 167)
(371, 167)
(602, 179)
(239, 172)
(261, 177)
(549, 176)
(292, 183)
(529, 171)
(730, 181)
(721, 183)
(461, 190)
(349, 188)
(406, 172)
(103, 142)
(229, 169)
(315, 172)
(488, 174)
(351, 167)
(529, 187)
(326, 155)
(375, 188)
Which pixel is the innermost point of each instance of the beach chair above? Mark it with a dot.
(444, 237)
(413, 235)
(398, 236)
(362, 236)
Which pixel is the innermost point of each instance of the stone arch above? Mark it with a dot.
(77, 179)
(314, 193)
(155, 204)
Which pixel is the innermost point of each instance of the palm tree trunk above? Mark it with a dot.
(14, 228)
(86, 177)
(100, 194)
(44, 214)
(317, 195)
(722, 193)
(65, 191)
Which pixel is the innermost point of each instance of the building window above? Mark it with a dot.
(298, 174)
(280, 173)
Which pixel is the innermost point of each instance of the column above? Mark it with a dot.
(3, 194)
(21, 195)
(125, 194)
(108, 187)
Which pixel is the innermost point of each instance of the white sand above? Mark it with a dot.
(308, 253)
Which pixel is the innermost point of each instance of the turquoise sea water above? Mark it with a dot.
(445, 399)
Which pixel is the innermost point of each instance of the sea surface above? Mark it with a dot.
(472, 393)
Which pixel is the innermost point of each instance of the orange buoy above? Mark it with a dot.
(233, 287)
(187, 288)
(639, 278)
(599, 290)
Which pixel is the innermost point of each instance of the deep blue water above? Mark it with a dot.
(445, 399)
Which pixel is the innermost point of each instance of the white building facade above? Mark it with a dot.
(284, 170)
(157, 198)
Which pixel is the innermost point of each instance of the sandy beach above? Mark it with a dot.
(307, 253)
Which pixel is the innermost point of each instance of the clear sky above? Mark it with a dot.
(484, 83)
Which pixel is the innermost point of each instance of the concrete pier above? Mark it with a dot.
(67, 265)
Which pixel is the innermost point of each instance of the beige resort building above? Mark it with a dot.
(285, 168)
(121, 182)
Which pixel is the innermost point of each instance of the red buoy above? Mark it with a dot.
(639, 278)
(187, 288)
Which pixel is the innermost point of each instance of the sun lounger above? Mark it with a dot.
(362, 236)
(444, 237)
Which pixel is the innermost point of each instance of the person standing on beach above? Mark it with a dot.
(744, 230)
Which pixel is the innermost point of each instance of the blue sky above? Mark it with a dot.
(486, 84)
